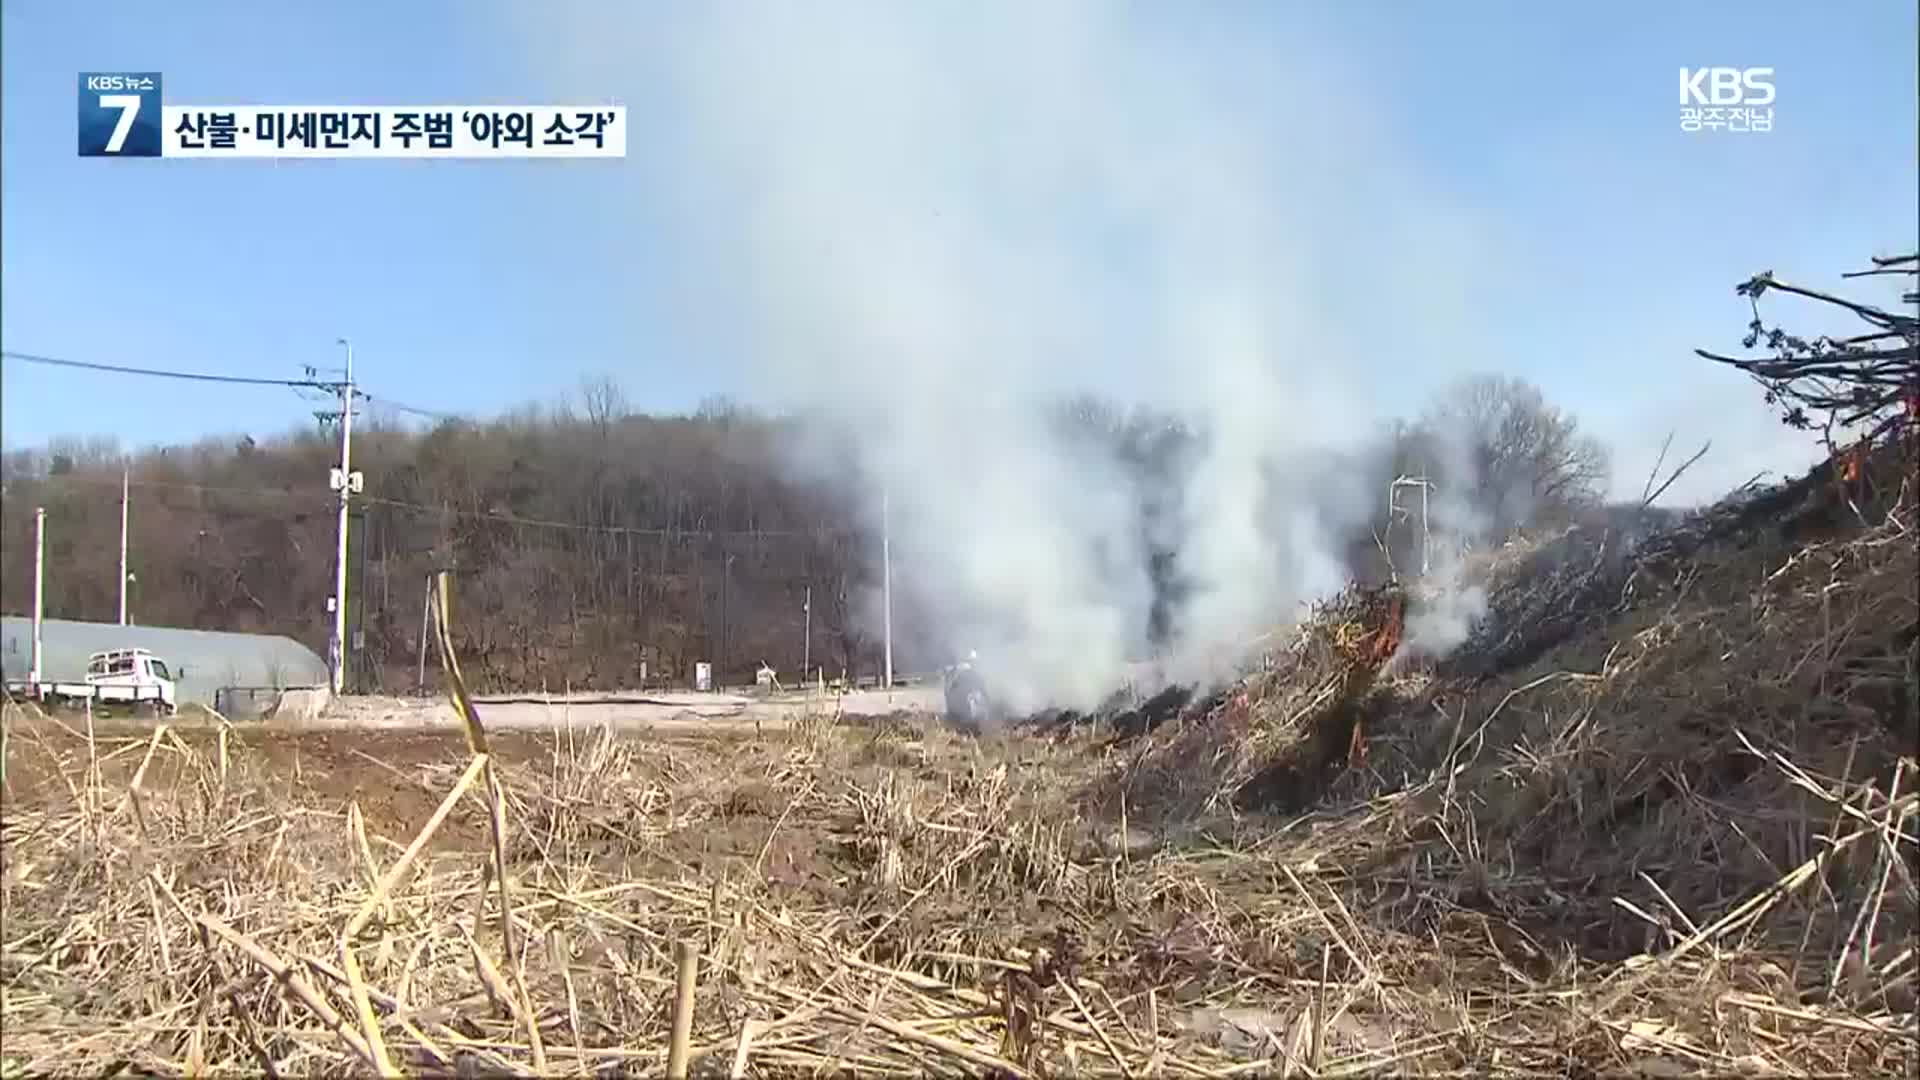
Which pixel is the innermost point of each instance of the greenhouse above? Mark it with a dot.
(209, 667)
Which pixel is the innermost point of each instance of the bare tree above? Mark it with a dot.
(604, 402)
(1867, 382)
(1526, 461)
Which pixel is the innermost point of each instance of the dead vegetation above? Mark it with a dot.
(1674, 775)
(1656, 819)
(1685, 845)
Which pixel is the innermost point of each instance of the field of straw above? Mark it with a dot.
(1680, 842)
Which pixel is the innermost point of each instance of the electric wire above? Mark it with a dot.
(423, 508)
(123, 369)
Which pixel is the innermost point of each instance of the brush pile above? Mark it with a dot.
(1546, 593)
(1689, 746)
(1283, 733)
(1543, 591)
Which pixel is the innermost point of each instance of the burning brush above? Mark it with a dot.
(1365, 641)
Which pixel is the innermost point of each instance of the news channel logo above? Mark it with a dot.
(123, 114)
(1726, 99)
(119, 114)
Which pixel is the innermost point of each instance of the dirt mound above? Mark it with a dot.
(1657, 735)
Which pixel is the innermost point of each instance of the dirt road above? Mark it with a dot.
(678, 710)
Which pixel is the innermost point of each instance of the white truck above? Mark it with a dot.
(119, 677)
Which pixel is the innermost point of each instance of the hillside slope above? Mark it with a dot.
(1691, 751)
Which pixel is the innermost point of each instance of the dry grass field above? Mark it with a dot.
(1677, 841)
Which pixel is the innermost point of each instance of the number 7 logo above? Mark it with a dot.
(129, 106)
(120, 114)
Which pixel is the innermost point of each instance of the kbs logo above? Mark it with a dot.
(1724, 98)
(119, 114)
(1726, 86)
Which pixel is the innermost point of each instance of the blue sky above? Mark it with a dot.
(1566, 229)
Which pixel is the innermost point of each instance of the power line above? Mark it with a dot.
(423, 508)
(574, 526)
(179, 485)
(508, 519)
(121, 369)
(431, 414)
(314, 383)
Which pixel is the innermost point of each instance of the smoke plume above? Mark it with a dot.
(938, 220)
(1453, 524)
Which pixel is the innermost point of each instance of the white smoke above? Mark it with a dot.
(1449, 521)
(1451, 600)
(943, 217)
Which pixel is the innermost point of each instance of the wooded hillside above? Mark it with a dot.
(588, 540)
(584, 544)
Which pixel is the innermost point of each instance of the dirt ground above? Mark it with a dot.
(678, 711)
(875, 896)
(394, 775)
(393, 758)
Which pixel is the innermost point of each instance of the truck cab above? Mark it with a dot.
(130, 676)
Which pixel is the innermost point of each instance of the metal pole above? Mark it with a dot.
(340, 558)
(125, 484)
(360, 613)
(426, 613)
(806, 640)
(39, 593)
(886, 585)
(726, 573)
(1426, 547)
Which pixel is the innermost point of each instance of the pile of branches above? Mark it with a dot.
(1277, 737)
(1562, 586)
(1546, 595)
(1868, 382)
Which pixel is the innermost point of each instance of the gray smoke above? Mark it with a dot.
(1452, 602)
(940, 219)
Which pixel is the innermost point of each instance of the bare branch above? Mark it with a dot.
(1840, 378)
(1655, 473)
(1683, 467)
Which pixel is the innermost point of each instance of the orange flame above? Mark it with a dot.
(1371, 652)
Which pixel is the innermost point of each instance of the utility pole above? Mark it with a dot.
(426, 612)
(726, 573)
(359, 638)
(125, 484)
(346, 482)
(886, 587)
(806, 639)
(1426, 535)
(1394, 509)
(39, 592)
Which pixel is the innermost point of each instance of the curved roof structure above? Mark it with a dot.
(204, 662)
